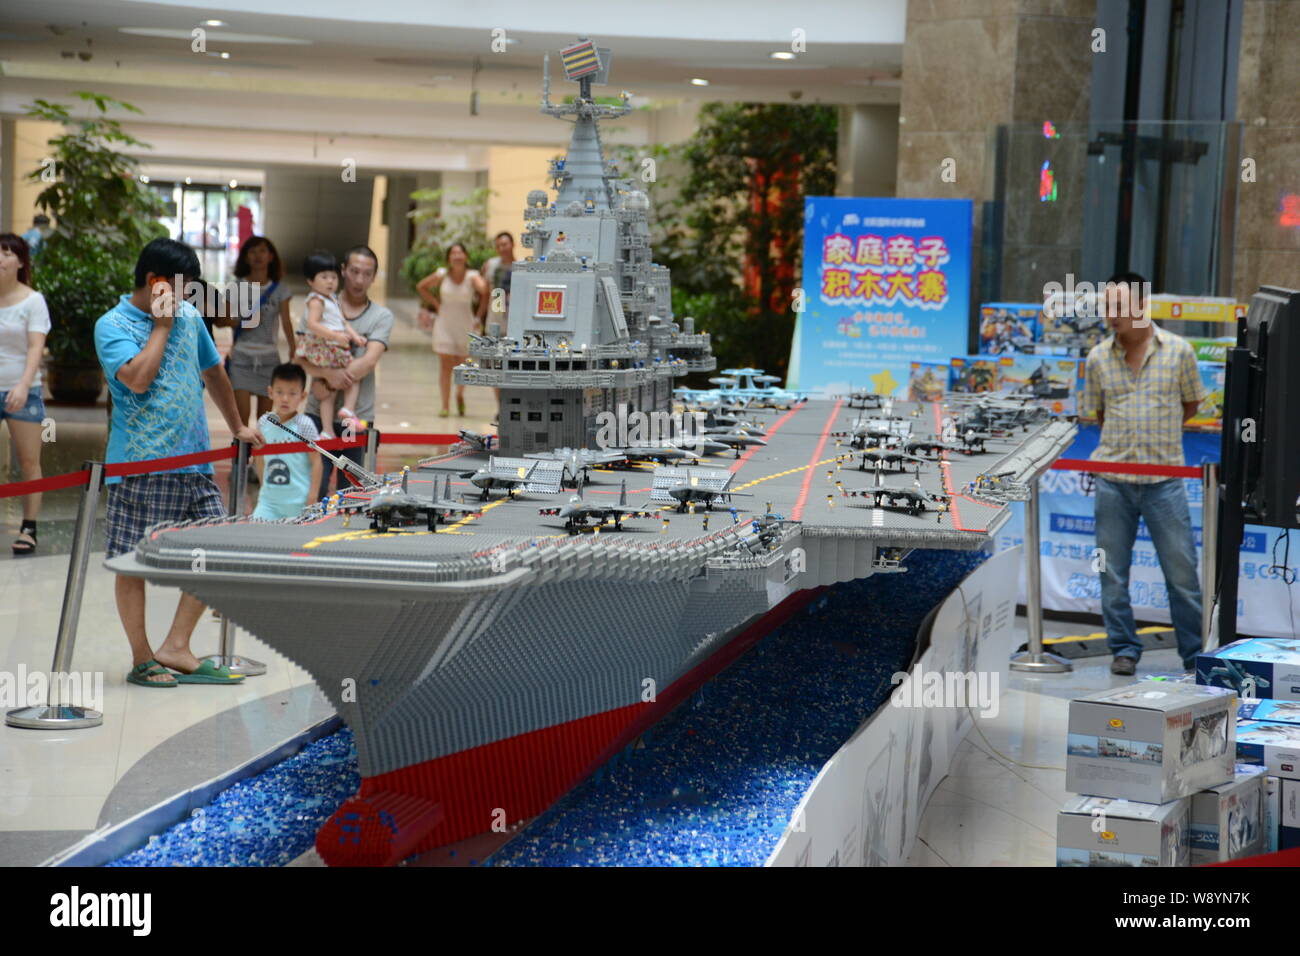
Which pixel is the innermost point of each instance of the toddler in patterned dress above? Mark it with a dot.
(327, 338)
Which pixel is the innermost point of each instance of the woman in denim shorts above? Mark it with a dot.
(24, 323)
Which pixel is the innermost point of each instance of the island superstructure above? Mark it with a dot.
(590, 323)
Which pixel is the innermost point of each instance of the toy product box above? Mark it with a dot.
(1007, 327)
(1212, 350)
(1099, 831)
(1277, 711)
(1051, 382)
(1151, 742)
(1227, 822)
(974, 374)
(1071, 324)
(1255, 667)
(928, 382)
(1288, 814)
(1209, 414)
(1195, 308)
(1273, 746)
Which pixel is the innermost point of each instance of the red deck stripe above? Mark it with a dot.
(797, 511)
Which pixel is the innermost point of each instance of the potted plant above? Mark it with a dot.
(434, 234)
(103, 216)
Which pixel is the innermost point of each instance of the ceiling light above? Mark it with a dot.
(214, 23)
(234, 183)
(782, 55)
(189, 181)
(144, 179)
(696, 81)
(225, 55)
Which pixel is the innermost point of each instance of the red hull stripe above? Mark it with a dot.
(441, 801)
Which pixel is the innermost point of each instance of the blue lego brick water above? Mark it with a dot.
(719, 778)
(265, 820)
(715, 783)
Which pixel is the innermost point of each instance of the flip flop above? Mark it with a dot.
(208, 673)
(141, 673)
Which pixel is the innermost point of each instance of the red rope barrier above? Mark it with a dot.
(1124, 468)
(69, 480)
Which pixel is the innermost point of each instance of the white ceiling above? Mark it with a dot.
(397, 74)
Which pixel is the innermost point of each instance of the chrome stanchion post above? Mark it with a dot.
(1209, 551)
(1035, 659)
(226, 656)
(372, 449)
(56, 714)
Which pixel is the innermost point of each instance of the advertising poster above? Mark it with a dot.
(1265, 601)
(886, 283)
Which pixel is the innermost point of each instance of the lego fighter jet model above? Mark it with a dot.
(396, 507)
(578, 461)
(683, 486)
(932, 447)
(579, 511)
(912, 501)
(737, 440)
(508, 473)
(892, 458)
(476, 441)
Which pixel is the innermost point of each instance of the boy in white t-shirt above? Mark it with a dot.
(288, 481)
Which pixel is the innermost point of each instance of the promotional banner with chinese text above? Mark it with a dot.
(886, 283)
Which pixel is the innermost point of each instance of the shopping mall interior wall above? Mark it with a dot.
(1267, 247)
(968, 68)
(866, 157)
(306, 210)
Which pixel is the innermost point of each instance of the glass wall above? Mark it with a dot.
(1087, 201)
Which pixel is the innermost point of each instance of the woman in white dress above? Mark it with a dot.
(449, 306)
(24, 323)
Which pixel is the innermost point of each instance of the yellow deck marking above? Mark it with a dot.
(780, 474)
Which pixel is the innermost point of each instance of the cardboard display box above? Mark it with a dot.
(1227, 822)
(1098, 831)
(1273, 746)
(1274, 711)
(1151, 742)
(1262, 667)
(1288, 832)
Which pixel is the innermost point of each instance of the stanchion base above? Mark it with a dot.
(56, 717)
(1042, 663)
(238, 665)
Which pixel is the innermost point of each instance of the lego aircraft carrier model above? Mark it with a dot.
(498, 621)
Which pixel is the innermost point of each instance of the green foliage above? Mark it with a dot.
(103, 215)
(732, 230)
(435, 234)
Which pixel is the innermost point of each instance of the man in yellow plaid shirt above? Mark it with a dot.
(1141, 384)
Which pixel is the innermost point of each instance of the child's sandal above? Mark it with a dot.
(25, 543)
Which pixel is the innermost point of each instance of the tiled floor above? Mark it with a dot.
(993, 808)
(998, 804)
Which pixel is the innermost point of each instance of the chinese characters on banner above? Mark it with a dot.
(886, 283)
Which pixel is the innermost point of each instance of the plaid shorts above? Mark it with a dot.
(139, 501)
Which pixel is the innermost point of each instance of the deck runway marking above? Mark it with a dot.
(736, 465)
(782, 474)
(797, 511)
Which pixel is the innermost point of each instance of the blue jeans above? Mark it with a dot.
(1164, 508)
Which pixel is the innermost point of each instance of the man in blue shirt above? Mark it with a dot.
(158, 356)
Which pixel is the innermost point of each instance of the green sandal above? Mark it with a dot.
(208, 673)
(141, 673)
